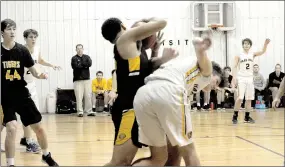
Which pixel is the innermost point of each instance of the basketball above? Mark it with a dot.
(149, 41)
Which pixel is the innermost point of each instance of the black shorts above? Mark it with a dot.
(126, 126)
(25, 107)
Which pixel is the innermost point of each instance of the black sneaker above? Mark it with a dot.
(249, 120)
(235, 121)
(33, 148)
(23, 142)
(199, 108)
(48, 160)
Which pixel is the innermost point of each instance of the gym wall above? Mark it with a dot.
(63, 24)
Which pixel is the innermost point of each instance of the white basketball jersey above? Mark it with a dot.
(182, 71)
(246, 65)
(28, 75)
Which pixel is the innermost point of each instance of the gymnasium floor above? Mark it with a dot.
(88, 141)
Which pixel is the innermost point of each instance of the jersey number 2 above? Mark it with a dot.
(12, 77)
(247, 66)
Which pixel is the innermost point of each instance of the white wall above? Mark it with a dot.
(63, 24)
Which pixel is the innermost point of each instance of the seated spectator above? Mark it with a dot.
(259, 82)
(225, 86)
(99, 87)
(206, 105)
(275, 79)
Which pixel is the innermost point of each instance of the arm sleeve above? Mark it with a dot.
(28, 60)
(94, 86)
(270, 80)
(105, 86)
(87, 62)
(75, 63)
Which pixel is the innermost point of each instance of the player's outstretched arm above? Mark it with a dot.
(263, 49)
(37, 74)
(201, 45)
(47, 64)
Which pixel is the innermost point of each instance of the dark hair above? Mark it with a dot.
(99, 72)
(110, 28)
(30, 31)
(7, 23)
(79, 45)
(227, 68)
(113, 71)
(217, 70)
(248, 40)
(256, 65)
(278, 65)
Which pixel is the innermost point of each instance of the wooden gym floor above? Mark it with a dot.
(88, 141)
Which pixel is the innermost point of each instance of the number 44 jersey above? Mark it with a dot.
(246, 65)
(13, 63)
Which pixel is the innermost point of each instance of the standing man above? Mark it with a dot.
(243, 73)
(80, 64)
(14, 59)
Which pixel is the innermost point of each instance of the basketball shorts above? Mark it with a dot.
(33, 91)
(25, 107)
(126, 127)
(162, 110)
(245, 88)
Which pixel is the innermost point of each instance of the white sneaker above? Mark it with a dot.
(80, 114)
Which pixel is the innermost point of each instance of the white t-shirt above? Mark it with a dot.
(29, 78)
(183, 72)
(245, 65)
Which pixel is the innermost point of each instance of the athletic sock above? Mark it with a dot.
(10, 161)
(45, 152)
(247, 114)
(235, 114)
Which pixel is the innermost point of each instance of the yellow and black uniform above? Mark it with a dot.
(15, 95)
(109, 84)
(99, 85)
(130, 77)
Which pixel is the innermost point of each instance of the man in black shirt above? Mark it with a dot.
(275, 79)
(224, 87)
(15, 96)
(80, 64)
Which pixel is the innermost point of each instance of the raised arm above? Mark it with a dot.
(205, 64)
(259, 53)
(151, 26)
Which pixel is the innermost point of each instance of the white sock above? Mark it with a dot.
(106, 106)
(205, 104)
(94, 106)
(29, 140)
(45, 152)
(10, 161)
(198, 104)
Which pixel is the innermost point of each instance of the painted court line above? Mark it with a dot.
(260, 146)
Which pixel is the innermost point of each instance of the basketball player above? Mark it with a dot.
(279, 94)
(244, 78)
(161, 106)
(30, 36)
(132, 66)
(14, 58)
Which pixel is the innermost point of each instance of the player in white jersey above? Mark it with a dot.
(30, 36)
(243, 75)
(161, 106)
